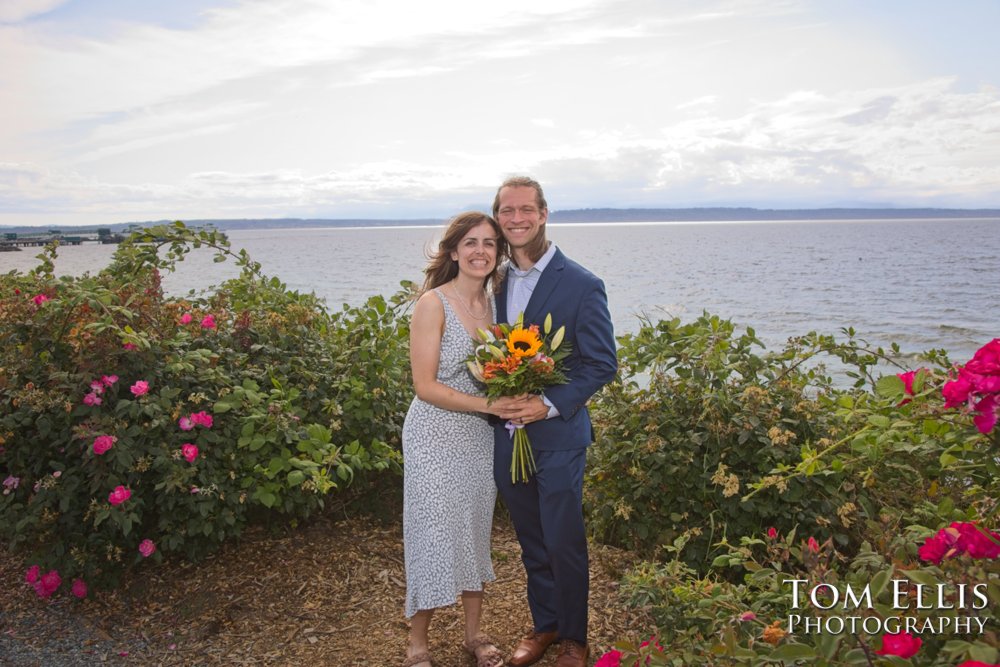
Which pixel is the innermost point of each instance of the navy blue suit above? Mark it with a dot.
(547, 511)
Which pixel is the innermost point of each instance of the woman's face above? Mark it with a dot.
(476, 253)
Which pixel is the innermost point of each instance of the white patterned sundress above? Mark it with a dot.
(448, 488)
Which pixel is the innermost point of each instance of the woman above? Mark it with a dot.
(448, 487)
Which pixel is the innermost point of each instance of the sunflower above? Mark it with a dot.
(524, 342)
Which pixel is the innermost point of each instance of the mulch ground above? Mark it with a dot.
(329, 593)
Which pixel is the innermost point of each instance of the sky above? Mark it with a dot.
(143, 110)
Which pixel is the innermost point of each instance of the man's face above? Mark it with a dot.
(519, 216)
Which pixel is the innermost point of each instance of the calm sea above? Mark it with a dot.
(922, 283)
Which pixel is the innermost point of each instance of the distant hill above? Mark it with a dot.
(717, 214)
(761, 214)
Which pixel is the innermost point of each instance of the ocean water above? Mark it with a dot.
(921, 283)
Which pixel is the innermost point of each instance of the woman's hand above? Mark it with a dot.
(506, 407)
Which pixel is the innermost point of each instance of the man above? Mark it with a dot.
(547, 511)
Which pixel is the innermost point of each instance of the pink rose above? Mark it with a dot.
(103, 443)
(189, 451)
(97, 386)
(772, 533)
(92, 399)
(129, 346)
(147, 548)
(80, 588)
(748, 616)
(956, 392)
(31, 574)
(986, 361)
(202, 419)
(813, 545)
(977, 663)
(907, 379)
(119, 495)
(976, 541)
(902, 644)
(185, 423)
(934, 549)
(39, 299)
(140, 388)
(208, 322)
(108, 380)
(609, 659)
(48, 584)
(986, 418)
(186, 318)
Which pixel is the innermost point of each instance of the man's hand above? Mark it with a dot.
(530, 409)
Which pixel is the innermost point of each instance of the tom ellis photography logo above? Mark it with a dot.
(904, 606)
(951, 607)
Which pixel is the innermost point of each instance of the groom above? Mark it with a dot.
(547, 511)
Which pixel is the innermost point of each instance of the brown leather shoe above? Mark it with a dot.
(531, 649)
(572, 654)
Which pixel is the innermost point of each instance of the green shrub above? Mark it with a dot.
(288, 402)
(696, 421)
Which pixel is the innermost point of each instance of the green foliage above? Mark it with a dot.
(697, 419)
(301, 401)
(871, 470)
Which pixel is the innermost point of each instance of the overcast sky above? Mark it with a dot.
(133, 110)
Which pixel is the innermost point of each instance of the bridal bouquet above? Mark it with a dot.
(514, 360)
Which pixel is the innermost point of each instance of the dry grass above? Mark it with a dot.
(330, 593)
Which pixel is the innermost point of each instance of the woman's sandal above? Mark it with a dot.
(417, 658)
(492, 657)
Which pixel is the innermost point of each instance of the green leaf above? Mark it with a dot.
(793, 652)
(922, 577)
(890, 386)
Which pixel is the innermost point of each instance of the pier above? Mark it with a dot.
(12, 241)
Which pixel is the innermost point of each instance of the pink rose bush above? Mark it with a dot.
(901, 644)
(99, 373)
(960, 538)
(977, 386)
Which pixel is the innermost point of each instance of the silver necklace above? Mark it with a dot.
(468, 310)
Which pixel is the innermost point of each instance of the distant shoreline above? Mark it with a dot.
(579, 216)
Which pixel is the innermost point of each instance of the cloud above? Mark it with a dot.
(15, 11)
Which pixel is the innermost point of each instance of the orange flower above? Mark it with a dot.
(491, 368)
(511, 364)
(773, 633)
(524, 342)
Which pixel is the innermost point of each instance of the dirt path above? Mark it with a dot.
(330, 593)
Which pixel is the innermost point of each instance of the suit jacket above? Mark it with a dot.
(576, 298)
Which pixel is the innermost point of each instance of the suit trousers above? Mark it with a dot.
(547, 512)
